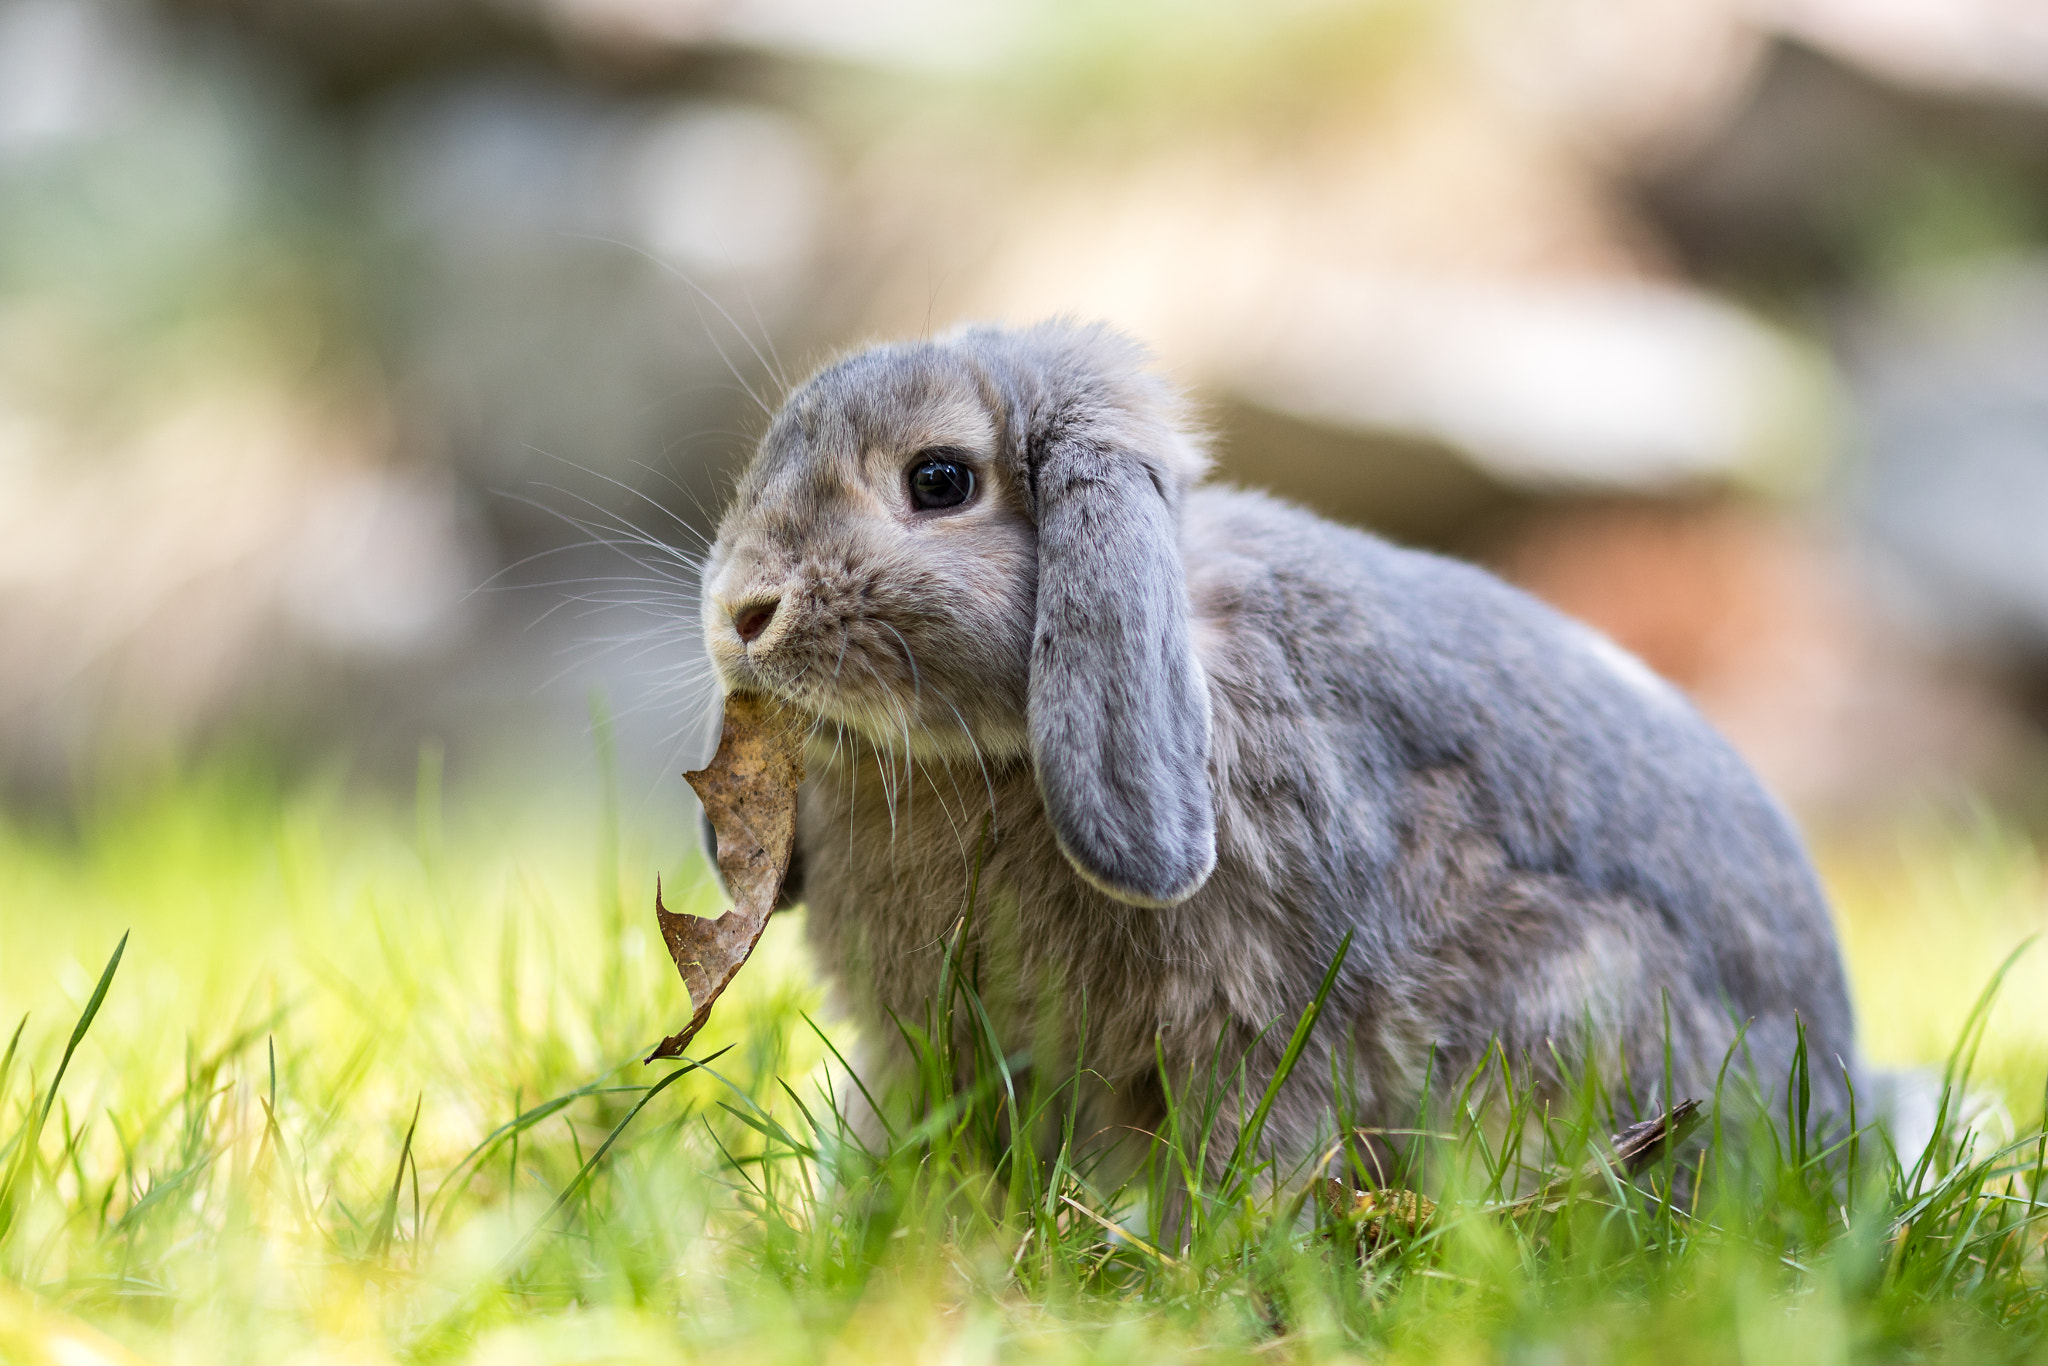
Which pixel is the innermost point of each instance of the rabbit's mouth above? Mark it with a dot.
(872, 682)
(866, 681)
(907, 658)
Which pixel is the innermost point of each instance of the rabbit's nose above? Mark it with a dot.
(751, 620)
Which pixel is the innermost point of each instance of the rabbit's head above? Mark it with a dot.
(971, 547)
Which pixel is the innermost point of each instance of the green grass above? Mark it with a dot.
(364, 1086)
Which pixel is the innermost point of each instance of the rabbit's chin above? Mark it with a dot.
(856, 725)
(852, 729)
(857, 736)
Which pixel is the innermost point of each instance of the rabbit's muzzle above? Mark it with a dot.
(846, 645)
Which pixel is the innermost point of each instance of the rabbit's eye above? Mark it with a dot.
(940, 483)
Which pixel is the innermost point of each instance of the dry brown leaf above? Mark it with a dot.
(1372, 1215)
(749, 794)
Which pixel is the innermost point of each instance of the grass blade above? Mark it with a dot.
(1248, 1137)
(575, 1186)
(12, 1190)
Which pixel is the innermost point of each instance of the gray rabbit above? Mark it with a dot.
(1210, 735)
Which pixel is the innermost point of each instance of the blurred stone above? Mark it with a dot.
(1561, 383)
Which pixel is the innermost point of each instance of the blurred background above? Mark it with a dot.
(370, 368)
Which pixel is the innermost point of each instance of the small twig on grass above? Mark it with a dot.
(1635, 1148)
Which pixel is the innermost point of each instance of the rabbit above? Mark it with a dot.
(1185, 741)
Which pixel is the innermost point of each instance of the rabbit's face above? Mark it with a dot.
(877, 566)
(971, 548)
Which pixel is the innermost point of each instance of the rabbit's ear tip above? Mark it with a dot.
(1155, 878)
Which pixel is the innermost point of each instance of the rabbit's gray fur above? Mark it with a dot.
(1218, 734)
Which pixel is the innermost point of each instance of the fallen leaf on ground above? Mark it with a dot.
(1372, 1215)
(749, 794)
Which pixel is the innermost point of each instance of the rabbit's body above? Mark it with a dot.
(1552, 841)
(1527, 835)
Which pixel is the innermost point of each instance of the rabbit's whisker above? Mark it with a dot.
(973, 747)
(885, 763)
(607, 529)
(631, 492)
(705, 296)
(903, 716)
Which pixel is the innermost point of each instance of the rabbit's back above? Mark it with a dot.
(1516, 819)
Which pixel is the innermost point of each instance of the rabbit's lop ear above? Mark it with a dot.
(1119, 706)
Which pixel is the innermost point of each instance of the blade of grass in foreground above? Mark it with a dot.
(13, 1046)
(11, 1189)
(438, 1332)
(1955, 1075)
(575, 1186)
(510, 1130)
(1255, 1127)
(387, 1221)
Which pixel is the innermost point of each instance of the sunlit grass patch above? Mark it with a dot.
(1924, 919)
(349, 1092)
